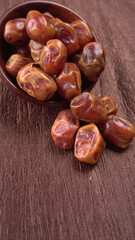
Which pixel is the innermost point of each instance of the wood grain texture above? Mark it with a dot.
(46, 194)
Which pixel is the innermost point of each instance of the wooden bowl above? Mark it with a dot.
(20, 11)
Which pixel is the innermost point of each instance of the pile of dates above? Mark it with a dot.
(49, 55)
(43, 47)
(103, 125)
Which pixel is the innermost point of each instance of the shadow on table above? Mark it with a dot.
(81, 166)
(116, 149)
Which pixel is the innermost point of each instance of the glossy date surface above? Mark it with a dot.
(53, 57)
(38, 27)
(89, 144)
(83, 31)
(117, 131)
(64, 129)
(15, 32)
(110, 104)
(69, 81)
(15, 63)
(35, 50)
(67, 34)
(88, 108)
(92, 61)
(35, 82)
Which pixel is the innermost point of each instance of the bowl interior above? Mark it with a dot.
(20, 11)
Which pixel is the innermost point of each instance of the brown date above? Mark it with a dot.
(88, 108)
(38, 27)
(64, 129)
(117, 131)
(83, 31)
(110, 104)
(35, 82)
(49, 17)
(15, 63)
(53, 57)
(67, 34)
(15, 32)
(35, 49)
(69, 81)
(89, 144)
(92, 61)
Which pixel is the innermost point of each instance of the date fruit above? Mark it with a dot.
(83, 31)
(35, 49)
(69, 81)
(89, 144)
(15, 32)
(117, 131)
(53, 57)
(35, 82)
(67, 34)
(92, 61)
(15, 63)
(110, 104)
(49, 17)
(88, 108)
(38, 27)
(64, 129)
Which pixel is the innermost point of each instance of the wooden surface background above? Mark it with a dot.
(45, 193)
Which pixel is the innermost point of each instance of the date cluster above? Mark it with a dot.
(42, 48)
(49, 55)
(89, 140)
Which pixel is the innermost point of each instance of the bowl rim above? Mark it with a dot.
(8, 82)
(37, 2)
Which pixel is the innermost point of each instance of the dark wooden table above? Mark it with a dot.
(45, 193)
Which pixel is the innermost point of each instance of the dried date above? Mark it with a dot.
(64, 129)
(88, 107)
(89, 144)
